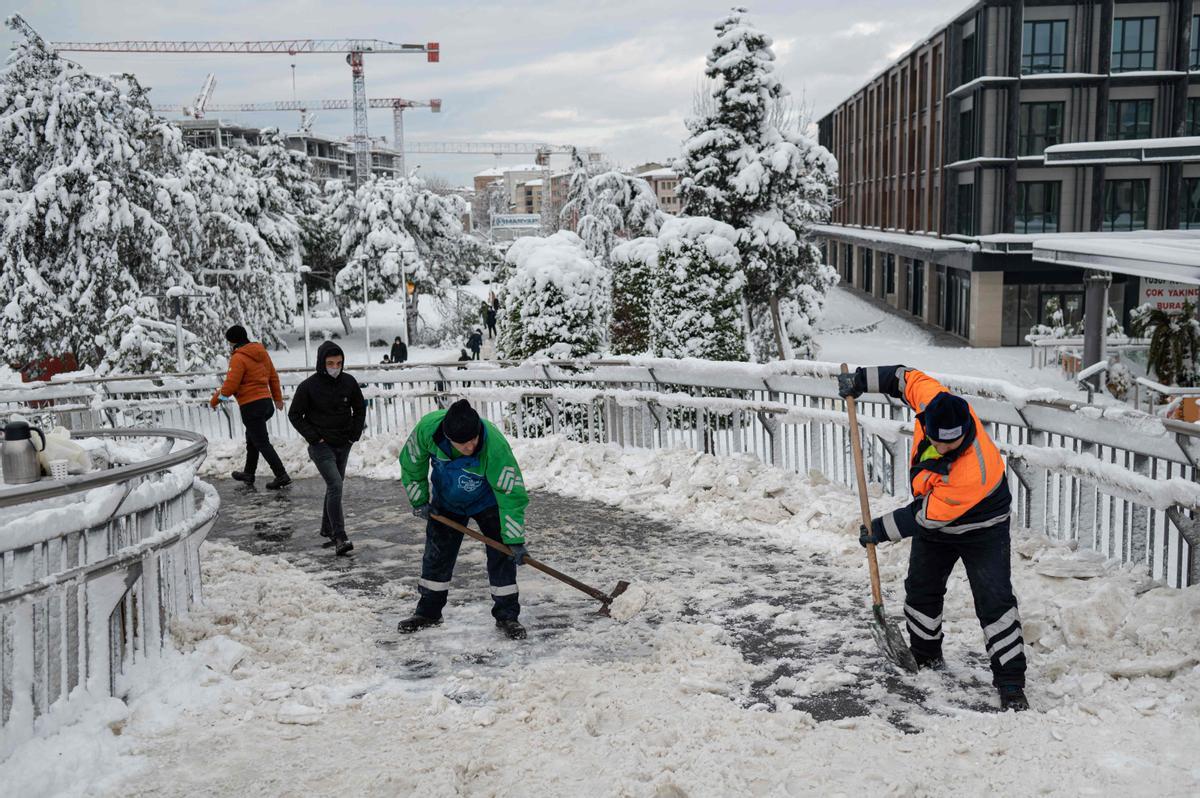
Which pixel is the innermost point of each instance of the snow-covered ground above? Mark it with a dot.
(277, 690)
(857, 331)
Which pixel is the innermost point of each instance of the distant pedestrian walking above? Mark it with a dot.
(491, 323)
(399, 353)
(329, 411)
(252, 379)
(475, 343)
(484, 307)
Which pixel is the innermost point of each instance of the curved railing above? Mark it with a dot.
(92, 570)
(1105, 477)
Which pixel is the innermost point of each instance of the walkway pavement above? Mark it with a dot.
(800, 623)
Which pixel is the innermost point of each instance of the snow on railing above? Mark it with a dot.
(92, 570)
(785, 413)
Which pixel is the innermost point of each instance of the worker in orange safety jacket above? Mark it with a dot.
(960, 510)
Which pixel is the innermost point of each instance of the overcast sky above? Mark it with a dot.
(614, 74)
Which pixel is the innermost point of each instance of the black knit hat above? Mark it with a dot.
(461, 423)
(946, 418)
(237, 335)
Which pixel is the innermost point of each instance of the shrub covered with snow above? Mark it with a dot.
(634, 281)
(770, 184)
(609, 208)
(1174, 354)
(555, 299)
(697, 302)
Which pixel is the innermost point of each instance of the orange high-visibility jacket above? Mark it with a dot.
(961, 491)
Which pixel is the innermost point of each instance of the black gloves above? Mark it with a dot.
(853, 384)
(519, 552)
(866, 536)
(424, 511)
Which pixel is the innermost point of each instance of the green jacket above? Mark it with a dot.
(465, 484)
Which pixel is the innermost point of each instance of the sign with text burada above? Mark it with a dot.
(1165, 295)
(500, 220)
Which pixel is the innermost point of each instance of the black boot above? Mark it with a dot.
(279, 482)
(1013, 697)
(416, 623)
(511, 627)
(929, 663)
(243, 476)
(342, 546)
(328, 541)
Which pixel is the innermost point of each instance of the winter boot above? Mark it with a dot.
(511, 627)
(243, 476)
(342, 546)
(1013, 697)
(416, 623)
(328, 541)
(929, 663)
(279, 482)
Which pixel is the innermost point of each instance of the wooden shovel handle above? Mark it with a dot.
(863, 503)
(546, 569)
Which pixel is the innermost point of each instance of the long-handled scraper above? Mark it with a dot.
(887, 636)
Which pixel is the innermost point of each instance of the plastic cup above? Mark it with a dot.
(58, 469)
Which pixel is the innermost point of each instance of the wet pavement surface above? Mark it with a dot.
(791, 615)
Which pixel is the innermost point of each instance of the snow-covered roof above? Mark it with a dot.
(493, 172)
(1177, 148)
(1165, 254)
(501, 171)
(912, 240)
(664, 172)
(537, 182)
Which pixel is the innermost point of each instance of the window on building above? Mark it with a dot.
(1194, 61)
(1044, 47)
(1130, 119)
(1037, 207)
(966, 135)
(1125, 204)
(968, 59)
(889, 273)
(1189, 218)
(956, 302)
(1192, 128)
(916, 288)
(868, 264)
(1135, 44)
(1041, 127)
(966, 210)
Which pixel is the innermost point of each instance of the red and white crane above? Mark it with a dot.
(354, 49)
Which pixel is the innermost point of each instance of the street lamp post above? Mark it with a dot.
(366, 312)
(304, 269)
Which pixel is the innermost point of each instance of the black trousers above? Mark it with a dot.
(255, 416)
(330, 461)
(985, 554)
(441, 552)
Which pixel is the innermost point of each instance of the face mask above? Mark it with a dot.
(333, 372)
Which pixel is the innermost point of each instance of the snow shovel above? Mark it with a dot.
(604, 598)
(887, 636)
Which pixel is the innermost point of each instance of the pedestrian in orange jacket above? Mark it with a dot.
(252, 379)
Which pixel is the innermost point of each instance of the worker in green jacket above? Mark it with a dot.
(474, 475)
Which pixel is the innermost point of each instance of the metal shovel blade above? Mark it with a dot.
(891, 641)
(606, 610)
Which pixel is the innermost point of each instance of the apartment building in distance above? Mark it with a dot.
(1014, 122)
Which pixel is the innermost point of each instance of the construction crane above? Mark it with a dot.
(201, 102)
(498, 148)
(397, 104)
(354, 49)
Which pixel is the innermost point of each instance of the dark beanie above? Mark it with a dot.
(946, 418)
(237, 335)
(461, 423)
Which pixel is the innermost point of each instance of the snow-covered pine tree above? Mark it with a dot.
(606, 207)
(398, 228)
(90, 209)
(634, 282)
(321, 236)
(697, 309)
(770, 184)
(554, 299)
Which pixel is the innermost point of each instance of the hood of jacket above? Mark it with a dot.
(255, 351)
(328, 349)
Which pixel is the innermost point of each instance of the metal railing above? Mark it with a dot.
(92, 570)
(1120, 482)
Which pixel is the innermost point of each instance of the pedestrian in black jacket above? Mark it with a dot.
(399, 351)
(491, 322)
(329, 411)
(475, 343)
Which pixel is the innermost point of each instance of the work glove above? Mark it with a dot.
(866, 536)
(519, 552)
(853, 384)
(423, 512)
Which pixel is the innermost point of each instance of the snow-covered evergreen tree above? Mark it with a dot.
(769, 184)
(554, 299)
(634, 282)
(611, 207)
(697, 308)
(396, 229)
(91, 211)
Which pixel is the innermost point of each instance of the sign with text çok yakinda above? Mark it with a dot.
(1164, 295)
